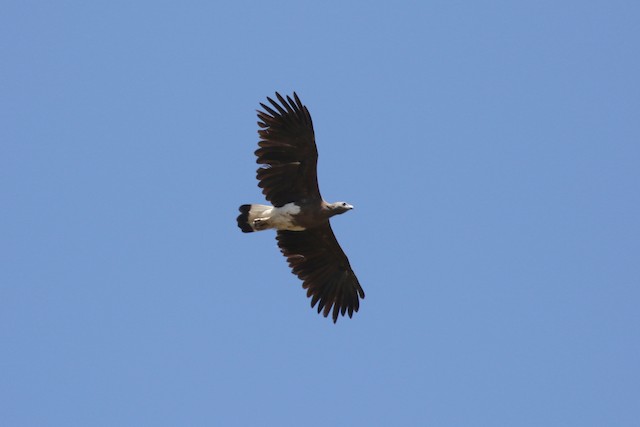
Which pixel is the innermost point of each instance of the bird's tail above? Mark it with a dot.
(249, 214)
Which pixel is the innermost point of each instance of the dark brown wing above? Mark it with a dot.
(315, 256)
(287, 151)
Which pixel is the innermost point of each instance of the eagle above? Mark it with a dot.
(288, 177)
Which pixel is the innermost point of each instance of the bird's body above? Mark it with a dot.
(264, 217)
(291, 217)
(299, 214)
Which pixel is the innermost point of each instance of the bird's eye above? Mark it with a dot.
(344, 204)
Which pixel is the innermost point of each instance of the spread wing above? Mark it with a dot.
(315, 256)
(287, 151)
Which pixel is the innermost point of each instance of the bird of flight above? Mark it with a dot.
(288, 177)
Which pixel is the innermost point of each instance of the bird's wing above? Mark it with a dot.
(315, 256)
(287, 151)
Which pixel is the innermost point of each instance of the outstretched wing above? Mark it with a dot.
(315, 256)
(287, 151)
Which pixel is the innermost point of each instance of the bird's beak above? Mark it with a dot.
(349, 206)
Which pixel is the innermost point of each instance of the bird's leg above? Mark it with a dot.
(261, 223)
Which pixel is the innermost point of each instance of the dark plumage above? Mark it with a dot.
(288, 149)
(288, 178)
(243, 219)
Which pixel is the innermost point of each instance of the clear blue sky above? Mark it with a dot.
(492, 151)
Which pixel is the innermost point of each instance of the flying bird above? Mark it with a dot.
(288, 177)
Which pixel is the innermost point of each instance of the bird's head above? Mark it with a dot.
(339, 207)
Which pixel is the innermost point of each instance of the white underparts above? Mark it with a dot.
(263, 217)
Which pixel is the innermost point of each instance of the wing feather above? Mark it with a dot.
(315, 256)
(287, 152)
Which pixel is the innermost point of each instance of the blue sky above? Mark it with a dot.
(491, 149)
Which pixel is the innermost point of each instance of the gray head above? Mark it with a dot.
(339, 207)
